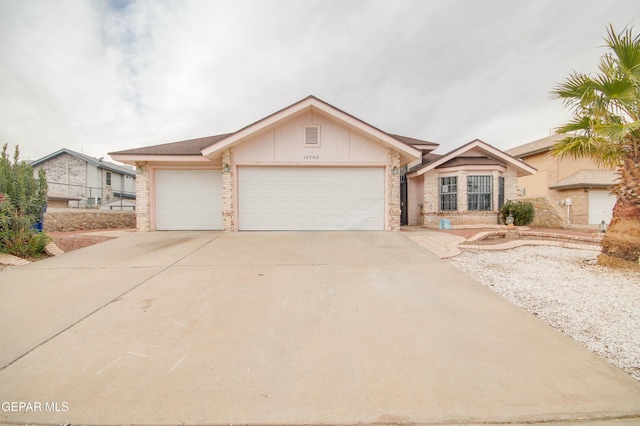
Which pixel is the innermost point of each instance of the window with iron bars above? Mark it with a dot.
(479, 192)
(449, 193)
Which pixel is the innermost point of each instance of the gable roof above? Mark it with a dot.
(212, 147)
(125, 170)
(407, 152)
(587, 179)
(490, 151)
(186, 147)
(537, 146)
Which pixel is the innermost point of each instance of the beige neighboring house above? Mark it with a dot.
(466, 186)
(578, 186)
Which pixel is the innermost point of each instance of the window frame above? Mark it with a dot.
(479, 199)
(451, 196)
(107, 178)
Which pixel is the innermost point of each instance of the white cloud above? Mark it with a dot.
(104, 76)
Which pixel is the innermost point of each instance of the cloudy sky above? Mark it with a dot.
(100, 76)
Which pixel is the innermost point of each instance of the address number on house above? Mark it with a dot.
(311, 157)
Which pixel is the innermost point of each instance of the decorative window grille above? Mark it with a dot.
(479, 192)
(449, 193)
(312, 136)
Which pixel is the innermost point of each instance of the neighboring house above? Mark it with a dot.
(78, 180)
(466, 186)
(578, 186)
(309, 166)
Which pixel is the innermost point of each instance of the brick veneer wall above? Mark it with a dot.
(143, 212)
(66, 175)
(394, 191)
(227, 191)
(462, 216)
(81, 219)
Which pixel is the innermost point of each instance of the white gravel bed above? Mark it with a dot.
(597, 306)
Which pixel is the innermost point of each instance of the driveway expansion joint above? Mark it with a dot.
(106, 304)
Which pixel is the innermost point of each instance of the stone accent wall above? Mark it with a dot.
(81, 219)
(510, 184)
(394, 191)
(228, 204)
(463, 203)
(548, 213)
(430, 204)
(143, 187)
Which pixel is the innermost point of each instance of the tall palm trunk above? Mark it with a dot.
(621, 244)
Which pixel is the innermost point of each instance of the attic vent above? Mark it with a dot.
(312, 136)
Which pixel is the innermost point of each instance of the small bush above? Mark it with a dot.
(22, 200)
(522, 212)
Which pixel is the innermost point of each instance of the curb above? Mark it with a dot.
(10, 260)
(519, 243)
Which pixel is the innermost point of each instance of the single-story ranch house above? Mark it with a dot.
(311, 166)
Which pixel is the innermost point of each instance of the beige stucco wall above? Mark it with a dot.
(284, 144)
(415, 198)
(552, 170)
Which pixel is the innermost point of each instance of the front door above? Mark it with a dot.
(404, 211)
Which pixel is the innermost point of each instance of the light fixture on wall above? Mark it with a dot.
(394, 171)
(603, 226)
(226, 168)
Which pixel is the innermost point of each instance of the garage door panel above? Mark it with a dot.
(322, 198)
(600, 206)
(188, 200)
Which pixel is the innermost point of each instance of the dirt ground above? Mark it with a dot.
(74, 240)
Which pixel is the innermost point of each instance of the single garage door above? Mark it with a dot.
(188, 200)
(600, 206)
(310, 198)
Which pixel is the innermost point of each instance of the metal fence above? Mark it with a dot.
(92, 197)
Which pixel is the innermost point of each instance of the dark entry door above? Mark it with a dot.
(404, 214)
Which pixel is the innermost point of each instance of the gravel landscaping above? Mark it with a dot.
(597, 306)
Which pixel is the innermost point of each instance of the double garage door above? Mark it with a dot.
(274, 198)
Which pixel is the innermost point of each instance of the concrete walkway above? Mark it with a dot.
(285, 328)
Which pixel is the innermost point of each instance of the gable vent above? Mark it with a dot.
(312, 135)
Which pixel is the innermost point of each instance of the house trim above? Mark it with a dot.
(482, 146)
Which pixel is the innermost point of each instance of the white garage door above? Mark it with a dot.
(600, 206)
(310, 198)
(188, 200)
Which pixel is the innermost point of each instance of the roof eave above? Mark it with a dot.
(522, 168)
(579, 185)
(133, 159)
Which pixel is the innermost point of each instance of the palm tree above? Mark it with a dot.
(606, 127)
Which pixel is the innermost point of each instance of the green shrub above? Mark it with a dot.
(22, 200)
(522, 212)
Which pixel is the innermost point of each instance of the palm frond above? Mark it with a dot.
(626, 48)
(578, 126)
(617, 132)
(576, 91)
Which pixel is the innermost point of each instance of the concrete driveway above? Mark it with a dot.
(284, 327)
